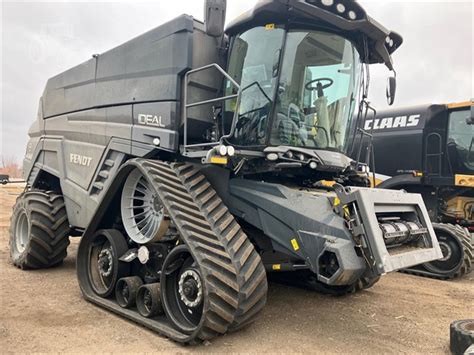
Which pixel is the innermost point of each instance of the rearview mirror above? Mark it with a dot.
(214, 17)
(391, 89)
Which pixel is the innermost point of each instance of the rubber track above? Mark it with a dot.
(235, 276)
(49, 236)
(466, 240)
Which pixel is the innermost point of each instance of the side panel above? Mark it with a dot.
(146, 68)
(82, 149)
(156, 120)
(70, 91)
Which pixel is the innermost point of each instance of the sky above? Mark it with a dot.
(41, 39)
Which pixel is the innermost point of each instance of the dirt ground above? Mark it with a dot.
(43, 311)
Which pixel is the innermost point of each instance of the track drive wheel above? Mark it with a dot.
(39, 230)
(458, 252)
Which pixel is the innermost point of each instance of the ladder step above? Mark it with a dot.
(109, 162)
(104, 174)
(98, 185)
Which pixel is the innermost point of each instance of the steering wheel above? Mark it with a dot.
(319, 85)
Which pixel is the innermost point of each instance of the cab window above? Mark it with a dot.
(461, 141)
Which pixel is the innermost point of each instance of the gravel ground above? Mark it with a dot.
(43, 311)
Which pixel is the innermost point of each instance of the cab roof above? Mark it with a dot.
(345, 17)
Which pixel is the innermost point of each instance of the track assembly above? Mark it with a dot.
(199, 291)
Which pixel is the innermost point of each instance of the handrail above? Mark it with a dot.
(237, 107)
(205, 102)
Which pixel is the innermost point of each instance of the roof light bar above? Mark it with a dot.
(337, 7)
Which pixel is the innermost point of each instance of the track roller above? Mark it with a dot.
(149, 301)
(126, 291)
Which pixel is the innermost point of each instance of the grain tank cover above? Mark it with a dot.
(145, 69)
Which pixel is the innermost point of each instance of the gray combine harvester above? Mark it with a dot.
(192, 160)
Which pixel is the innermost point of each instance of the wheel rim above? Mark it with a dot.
(182, 290)
(100, 266)
(452, 255)
(143, 214)
(190, 288)
(22, 232)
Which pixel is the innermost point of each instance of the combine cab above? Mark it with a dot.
(192, 160)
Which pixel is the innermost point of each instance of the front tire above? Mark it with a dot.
(458, 252)
(39, 230)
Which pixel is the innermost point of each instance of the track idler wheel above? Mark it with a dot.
(149, 301)
(182, 290)
(126, 291)
(103, 265)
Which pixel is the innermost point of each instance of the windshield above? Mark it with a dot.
(314, 89)
(316, 94)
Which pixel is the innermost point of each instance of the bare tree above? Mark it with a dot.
(10, 166)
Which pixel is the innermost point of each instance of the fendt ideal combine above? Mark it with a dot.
(191, 161)
(429, 149)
